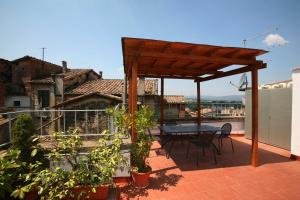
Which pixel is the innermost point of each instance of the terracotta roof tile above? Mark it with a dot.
(175, 99)
(68, 75)
(112, 86)
(78, 98)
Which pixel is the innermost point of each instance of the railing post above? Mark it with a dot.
(41, 123)
(75, 118)
(86, 122)
(9, 127)
(97, 119)
(64, 114)
(52, 125)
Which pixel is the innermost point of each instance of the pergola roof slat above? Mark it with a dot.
(185, 60)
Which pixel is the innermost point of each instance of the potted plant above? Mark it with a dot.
(141, 147)
(73, 174)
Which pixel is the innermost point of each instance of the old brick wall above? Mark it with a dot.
(27, 70)
(5, 77)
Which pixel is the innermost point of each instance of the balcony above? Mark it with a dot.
(277, 177)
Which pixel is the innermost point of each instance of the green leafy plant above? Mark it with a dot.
(10, 167)
(72, 168)
(141, 147)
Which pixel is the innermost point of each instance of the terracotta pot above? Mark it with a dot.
(141, 179)
(101, 192)
(31, 195)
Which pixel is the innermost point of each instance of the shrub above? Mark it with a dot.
(22, 132)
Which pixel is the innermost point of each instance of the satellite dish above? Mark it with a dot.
(243, 83)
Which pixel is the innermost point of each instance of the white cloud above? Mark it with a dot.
(275, 39)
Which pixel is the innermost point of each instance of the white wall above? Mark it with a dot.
(274, 116)
(24, 102)
(295, 146)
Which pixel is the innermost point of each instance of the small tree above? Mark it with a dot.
(22, 132)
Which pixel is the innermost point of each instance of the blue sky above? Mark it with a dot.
(87, 34)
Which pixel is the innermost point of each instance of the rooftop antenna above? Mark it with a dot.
(43, 51)
(259, 35)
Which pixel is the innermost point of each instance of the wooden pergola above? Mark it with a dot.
(198, 62)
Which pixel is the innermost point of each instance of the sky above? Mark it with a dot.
(87, 34)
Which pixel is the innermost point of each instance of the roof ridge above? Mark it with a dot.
(31, 57)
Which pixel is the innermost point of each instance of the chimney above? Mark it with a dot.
(100, 74)
(64, 65)
(59, 84)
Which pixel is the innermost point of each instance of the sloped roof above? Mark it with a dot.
(67, 75)
(32, 58)
(112, 86)
(175, 99)
(78, 98)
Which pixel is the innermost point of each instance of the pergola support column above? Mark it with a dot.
(132, 97)
(161, 103)
(254, 149)
(198, 104)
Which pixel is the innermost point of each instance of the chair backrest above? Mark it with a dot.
(226, 129)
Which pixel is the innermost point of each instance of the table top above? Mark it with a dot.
(188, 128)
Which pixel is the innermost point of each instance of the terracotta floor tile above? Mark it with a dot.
(232, 178)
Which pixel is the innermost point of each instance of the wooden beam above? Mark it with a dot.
(161, 102)
(232, 72)
(133, 99)
(198, 104)
(171, 71)
(254, 149)
(146, 75)
(200, 58)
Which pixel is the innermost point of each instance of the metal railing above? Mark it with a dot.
(88, 122)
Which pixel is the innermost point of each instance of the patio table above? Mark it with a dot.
(175, 132)
(188, 129)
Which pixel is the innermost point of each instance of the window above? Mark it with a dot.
(17, 103)
(43, 97)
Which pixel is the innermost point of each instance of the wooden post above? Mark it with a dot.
(254, 150)
(129, 91)
(133, 98)
(124, 97)
(161, 103)
(198, 104)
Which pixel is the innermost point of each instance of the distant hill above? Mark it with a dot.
(219, 98)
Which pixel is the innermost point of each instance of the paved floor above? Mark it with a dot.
(179, 178)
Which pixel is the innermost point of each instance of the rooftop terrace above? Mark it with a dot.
(277, 177)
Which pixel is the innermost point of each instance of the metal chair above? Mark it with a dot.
(204, 141)
(225, 133)
(165, 139)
